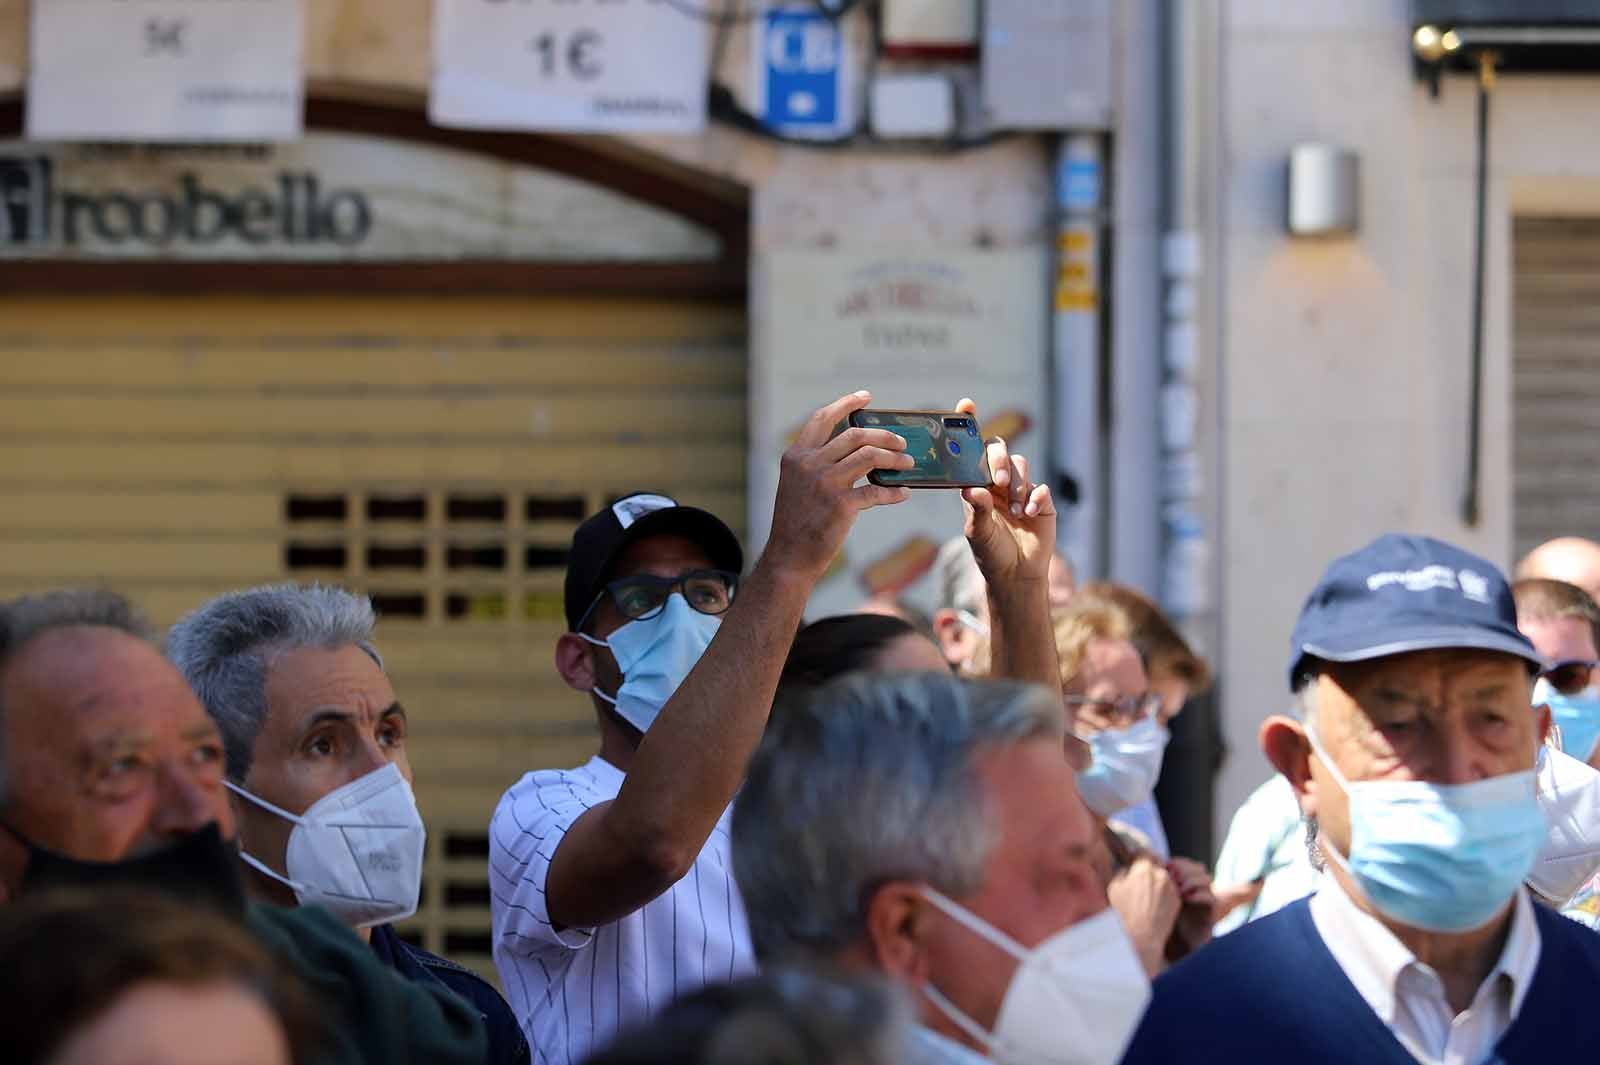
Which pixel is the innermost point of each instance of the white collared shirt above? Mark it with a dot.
(1409, 996)
(574, 989)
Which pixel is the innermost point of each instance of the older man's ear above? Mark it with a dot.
(1283, 741)
(897, 919)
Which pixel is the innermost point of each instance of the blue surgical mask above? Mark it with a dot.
(1441, 857)
(1127, 763)
(1577, 715)
(655, 655)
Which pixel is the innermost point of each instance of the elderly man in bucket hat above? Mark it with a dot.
(1413, 759)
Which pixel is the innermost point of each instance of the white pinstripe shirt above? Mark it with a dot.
(574, 989)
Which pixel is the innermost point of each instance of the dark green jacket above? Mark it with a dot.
(373, 1015)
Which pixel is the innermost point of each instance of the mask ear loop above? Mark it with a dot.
(959, 1018)
(985, 931)
(975, 924)
(586, 638)
(251, 860)
(1325, 847)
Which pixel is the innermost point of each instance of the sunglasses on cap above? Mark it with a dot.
(643, 596)
(1570, 675)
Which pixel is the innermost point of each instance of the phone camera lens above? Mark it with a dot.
(972, 430)
(955, 448)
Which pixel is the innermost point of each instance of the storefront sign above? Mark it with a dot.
(165, 70)
(601, 66)
(920, 330)
(328, 196)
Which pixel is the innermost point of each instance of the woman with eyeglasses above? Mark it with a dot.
(1116, 722)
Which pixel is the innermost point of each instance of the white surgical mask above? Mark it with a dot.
(655, 655)
(1127, 763)
(1075, 999)
(356, 852)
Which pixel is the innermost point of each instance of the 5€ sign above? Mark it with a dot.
(607, 66)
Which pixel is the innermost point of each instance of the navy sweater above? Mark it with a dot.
(1271, 992)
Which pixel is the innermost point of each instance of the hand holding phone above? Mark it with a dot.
(944, 444)
(818, 495)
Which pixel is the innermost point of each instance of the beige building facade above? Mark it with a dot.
(1344, 364)
(1331, 377)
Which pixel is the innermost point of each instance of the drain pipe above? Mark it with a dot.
(1470, 497)
(1077, 378)
(1185, 543)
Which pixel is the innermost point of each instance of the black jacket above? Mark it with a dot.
(506, 1044)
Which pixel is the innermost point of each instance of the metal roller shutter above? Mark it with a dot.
(1556, 380)
(434, 452)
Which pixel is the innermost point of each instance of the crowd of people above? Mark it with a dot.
(871, 838)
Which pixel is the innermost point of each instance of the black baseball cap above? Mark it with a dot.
(1407, 593)
(605, 535)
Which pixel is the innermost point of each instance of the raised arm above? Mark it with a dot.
(620, 855)
(1012, 530)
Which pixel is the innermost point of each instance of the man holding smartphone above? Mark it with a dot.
(611, 894)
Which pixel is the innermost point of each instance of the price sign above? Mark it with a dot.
(611, 66)
(166, 70)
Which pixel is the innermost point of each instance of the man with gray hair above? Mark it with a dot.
(317, 764)
(928, 829)
(111, 775)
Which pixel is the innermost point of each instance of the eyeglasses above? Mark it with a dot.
(643, 596)
(1570, 675)
(1121, 712)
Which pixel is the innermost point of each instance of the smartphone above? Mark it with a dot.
(946, 445)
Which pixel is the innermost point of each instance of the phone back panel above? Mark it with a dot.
(946, 446)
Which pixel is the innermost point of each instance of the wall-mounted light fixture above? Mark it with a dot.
(1324, 191)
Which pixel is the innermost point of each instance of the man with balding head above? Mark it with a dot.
(1566, 558)
(111, 774)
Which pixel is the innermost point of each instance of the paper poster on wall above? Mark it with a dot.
(920, 330)
(596, 66)
(166, 70)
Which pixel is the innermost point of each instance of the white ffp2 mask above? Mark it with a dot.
(1075, 999)
(356, 852)
(1569, 793)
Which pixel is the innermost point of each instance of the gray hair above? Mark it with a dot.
(225, 648)
(28, 617)
(784, 1016)
(869, 780)
(1304, 707)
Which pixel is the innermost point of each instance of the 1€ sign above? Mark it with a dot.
(800, 68)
